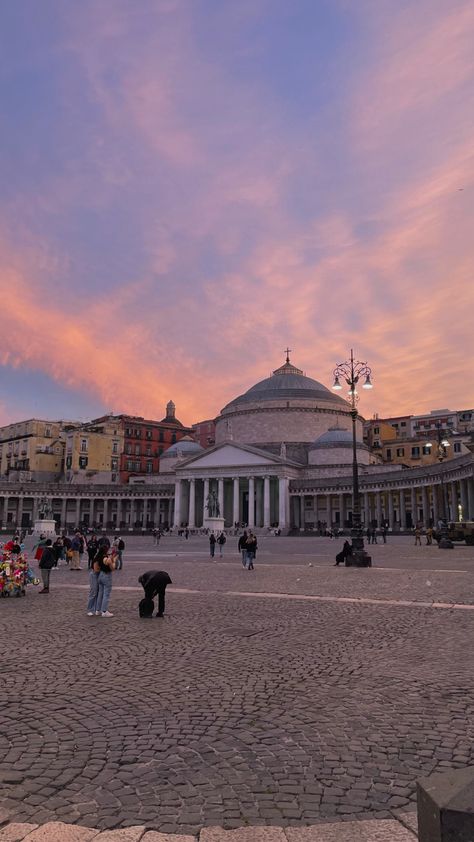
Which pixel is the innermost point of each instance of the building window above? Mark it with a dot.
(149, 467)
(426, 450)
(457, 447)
(376, 430)
(83, 462)
(148, 434)
(128, 431)
(160, 451)
(68, 461)
(115, 447)
(47, 432)
(415, 451)
(83, 445)
(403, 423)
(137, 450)
(148, 450)
(173, 438)
(400, 451)
(137, 433)
(161, 436)
(128, 449)
(389, 454)
(114, 477)
(129, 465)
(137, 466)
(114, 464)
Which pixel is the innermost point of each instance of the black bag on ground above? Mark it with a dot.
(146, 607)
(340, 558)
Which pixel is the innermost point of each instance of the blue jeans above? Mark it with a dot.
(94, 589)
(119, 563)
(105, 589)
(249, 557)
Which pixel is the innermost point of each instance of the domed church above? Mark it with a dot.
(285, 433)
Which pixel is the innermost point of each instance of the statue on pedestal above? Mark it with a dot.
(212, 504)
(45, 509)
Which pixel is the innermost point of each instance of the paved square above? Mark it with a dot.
(252, 702)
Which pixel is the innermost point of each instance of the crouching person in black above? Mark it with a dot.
(154, 582)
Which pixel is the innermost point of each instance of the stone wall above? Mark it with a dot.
(298, 422)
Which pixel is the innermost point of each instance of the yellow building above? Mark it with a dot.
(93, 453)
(418, 452)
(33, 450)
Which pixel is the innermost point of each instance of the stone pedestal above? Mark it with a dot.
(446, 806)
(359, 558)
(45, 527)
(214, 524)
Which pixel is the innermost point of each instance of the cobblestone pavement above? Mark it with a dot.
(234, 711)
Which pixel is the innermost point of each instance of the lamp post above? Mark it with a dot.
(351, 371)
(444, 542)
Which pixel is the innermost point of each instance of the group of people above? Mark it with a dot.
(220, 541)
(100, 551)
(372, 533)
(248, 548)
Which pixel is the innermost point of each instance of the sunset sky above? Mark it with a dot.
(187, 186)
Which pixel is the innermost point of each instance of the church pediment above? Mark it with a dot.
(231, 455)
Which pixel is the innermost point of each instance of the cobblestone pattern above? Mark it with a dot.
(228, 712)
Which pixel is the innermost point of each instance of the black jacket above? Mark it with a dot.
(155, 580)
(48, 559)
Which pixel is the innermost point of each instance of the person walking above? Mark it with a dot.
(251, 551)
(119, 546)
(384, 534)
(418, 536)
(212, 544)
(429, 536)
(75, 552)
(105, 564)
(46, 563)
(242, 546)
(345, 552)
(92, 547)
(154, 582)
(221, 541)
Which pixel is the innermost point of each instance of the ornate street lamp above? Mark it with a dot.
(352, 371)
(444, 542)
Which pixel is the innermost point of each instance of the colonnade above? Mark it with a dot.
(258, 501)
(119, 511)
(400, 508)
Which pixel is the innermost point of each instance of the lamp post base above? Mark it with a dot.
(359, 557)
(445, 544)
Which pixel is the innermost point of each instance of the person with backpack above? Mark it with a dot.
(221, 541)
(242, 547)
(46, 563)
(212, 544)
(119, 546)
(250, 550)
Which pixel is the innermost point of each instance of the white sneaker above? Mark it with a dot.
(98, 613)
(107, 614)
(91, 613)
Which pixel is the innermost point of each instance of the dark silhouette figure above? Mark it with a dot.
(154, 582)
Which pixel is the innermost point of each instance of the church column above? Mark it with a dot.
(119, 511)
(63, 512)
(464, 500)
(424, 503)
(251, 517)
(434, 496)
(366, 509)
(220, 496)
(206, 495)
(414, 513)
(328, 510)
(391, 519)
(19, 516)
(106, 512)
(342, 512)
(283, 502)
(403, 516)
(259, 501)
(236, 501)
(454, 501)
(6, 500)
(470, 499)
(192, 504)
(266, 502)
(302, 499)
(177, 504)
(378, 501)
(78, 512)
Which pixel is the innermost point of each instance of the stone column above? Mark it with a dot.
(426, 511)
(328, 510)
(19, 515)
(192, 504)
(78, 511)
(282, 502)
(454, 501)
(220, 496)
(6, 500)
(366, 509)
(177, 504)
(470, 499)
(414, 513)
(391, 518)
(106, 513)
(251, 517)
(302, 498)
(434, 494)
(236, 501)
(378, 503)
(259, 501)
(206, 495)
(342, 511)
(266, 502)
(464, 499)
(63, 511)
(403, 516)
(119, 511)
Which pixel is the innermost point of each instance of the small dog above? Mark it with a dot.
(146, 607)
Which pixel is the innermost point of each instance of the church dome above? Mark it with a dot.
(286, 383)
(185, 447)
(334, 437)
